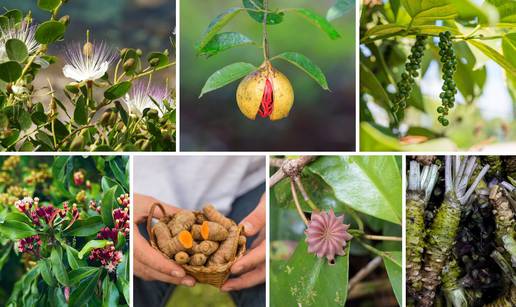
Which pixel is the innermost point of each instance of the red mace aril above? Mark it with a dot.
(265, 92)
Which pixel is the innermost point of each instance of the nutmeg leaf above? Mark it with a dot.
(306, 65)
(224, 41)
(273, 18)
(216, 24)
(319, 22)
(306, 280)
(339, 9)
(226, 75)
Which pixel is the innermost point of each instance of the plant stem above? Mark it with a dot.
(378, 252)
(296, 201)
(265, 36)
(360, 234)
(276, 162)
(307, 199)
(368, 269)
(357, 218)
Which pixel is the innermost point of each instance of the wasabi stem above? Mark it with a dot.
(420, 187)
(444, 227)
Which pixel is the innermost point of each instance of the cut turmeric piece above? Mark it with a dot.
(182, 258)
(213, 231)
(215, 216)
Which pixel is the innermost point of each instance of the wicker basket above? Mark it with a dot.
(213, 275)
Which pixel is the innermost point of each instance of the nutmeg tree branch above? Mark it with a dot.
(296, 202)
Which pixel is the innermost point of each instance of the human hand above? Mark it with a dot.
(149, 264)
(251, 266)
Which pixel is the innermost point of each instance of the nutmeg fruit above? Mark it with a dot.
(265, 92)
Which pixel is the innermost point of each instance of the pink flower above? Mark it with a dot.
(78, 178)
(108, 234)
(108, 257)
(121, 219)
(326, 235)
(29, 245)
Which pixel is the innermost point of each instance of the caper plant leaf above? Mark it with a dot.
(226, 75)
(16, 50)
(10, 71)
(48, 5)
(49, 32)
(306, 65)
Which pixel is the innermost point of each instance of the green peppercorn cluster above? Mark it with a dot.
(449, 88)
(407, 78)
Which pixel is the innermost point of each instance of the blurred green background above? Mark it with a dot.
(320, 120)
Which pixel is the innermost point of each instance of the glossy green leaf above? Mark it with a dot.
(107, 206)
(24, 119)
(92, 245)
(509, 47)
(215, 25)
(110, 293)
(56, 259)
(162, 59)
(306, 280)
(340, 8)
(226, 75)
(79, 274)
(224, 41)
(319, 22)
(38, 115)
(123, 285)
(119, 174)
(118, 90)
(472, 10)
(16, 50)
(72, 255)
(16, 230)
(49, 32)
(10, 71)
(428, 11)
(434, 30)
(381, 30)
(15, 16)
(394, 272)
(15, 216)
(368, 184)
(494, 55)
(255, 6)
(372, 86)
(372, 139)
(83, 293)
(85, 227)
(46, 274)
(48, 5)
(306, 65)
(80, 115)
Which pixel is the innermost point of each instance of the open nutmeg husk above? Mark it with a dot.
(211, 273)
